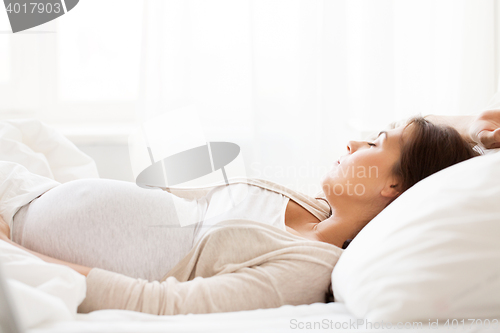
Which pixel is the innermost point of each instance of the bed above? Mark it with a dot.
(387, 279)
(314, 317)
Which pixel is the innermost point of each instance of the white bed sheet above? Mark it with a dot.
(265, 320)
(287, 318)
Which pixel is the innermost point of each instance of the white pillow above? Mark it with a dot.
(434, 253)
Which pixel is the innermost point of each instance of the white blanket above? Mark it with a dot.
(43, 151)
(33, 159)
(43, 293)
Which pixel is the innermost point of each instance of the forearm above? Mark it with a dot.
(461, 123)
(79, 268)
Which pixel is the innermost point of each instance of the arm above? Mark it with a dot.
(79, 268)
(483, 129)
(269, 285)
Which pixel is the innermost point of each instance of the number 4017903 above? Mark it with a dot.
(472, 323)
(34, 7)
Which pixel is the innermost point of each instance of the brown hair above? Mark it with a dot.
(429, 148)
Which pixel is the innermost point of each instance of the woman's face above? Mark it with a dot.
(365, 172)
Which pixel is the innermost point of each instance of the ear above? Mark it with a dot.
(391, 189)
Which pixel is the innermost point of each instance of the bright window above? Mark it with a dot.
(81, 69)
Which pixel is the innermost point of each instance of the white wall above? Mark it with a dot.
(289, 80)
(112, 160)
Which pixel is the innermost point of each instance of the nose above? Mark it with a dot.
(352, 146)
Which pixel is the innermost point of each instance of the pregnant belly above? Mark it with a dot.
(109, 224)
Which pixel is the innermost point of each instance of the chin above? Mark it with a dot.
(327, 186)
(325, 182)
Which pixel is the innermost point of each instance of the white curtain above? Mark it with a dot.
(292, 81)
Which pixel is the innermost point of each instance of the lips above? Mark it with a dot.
(339, 161)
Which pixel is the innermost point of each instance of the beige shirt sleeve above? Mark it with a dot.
(298, 280)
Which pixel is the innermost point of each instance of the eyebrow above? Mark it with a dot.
(383, 132)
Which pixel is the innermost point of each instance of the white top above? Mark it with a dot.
(242, 201)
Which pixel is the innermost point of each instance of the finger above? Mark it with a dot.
(490, 139)
(496, 139)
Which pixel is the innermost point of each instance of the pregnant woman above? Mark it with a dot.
(251, 244)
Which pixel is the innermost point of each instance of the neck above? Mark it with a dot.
(345, 222)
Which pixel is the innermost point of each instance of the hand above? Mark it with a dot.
(4, 229)
(485, 129)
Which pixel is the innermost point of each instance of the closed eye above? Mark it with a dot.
(371, 144)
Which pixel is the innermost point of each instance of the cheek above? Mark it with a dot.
(367, 170)
(370, 166)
